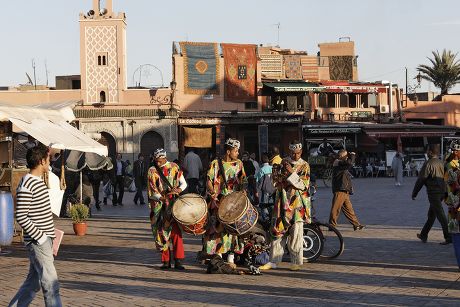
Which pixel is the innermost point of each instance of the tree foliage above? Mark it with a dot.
(444, 70)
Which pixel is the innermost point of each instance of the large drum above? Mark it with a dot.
(236, 213)
(191, 212)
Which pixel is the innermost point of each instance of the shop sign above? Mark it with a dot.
(333, 130)
(351, 89)
(280, 120)
(199, 121)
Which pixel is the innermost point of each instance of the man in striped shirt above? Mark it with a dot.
(33, 213)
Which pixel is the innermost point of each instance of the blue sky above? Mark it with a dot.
(389, 35)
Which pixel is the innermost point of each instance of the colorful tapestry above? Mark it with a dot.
(201, 68)
(341, 67)
(271, 66)
(240, 72)
(198, 137)
(292, 67)
(309, 65)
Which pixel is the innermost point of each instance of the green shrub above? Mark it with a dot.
(79, 213)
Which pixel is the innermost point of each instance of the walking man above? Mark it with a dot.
(120, 173)
(192, 168)
(342, 189)
(140, 178)
(33, 214)
(432, 176)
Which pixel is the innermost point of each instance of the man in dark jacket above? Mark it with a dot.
(432, 176)
(342, 188)
(140, 178)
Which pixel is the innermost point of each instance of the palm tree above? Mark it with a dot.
(444, 71)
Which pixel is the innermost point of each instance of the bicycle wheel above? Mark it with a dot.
(333, 244)
(312, 243)
(327, 177)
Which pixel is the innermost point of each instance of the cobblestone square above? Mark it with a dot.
(115, 264)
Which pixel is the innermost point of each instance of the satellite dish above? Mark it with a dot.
(103, 11)
(90, 13)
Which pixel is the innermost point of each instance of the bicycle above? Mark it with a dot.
(331, 243)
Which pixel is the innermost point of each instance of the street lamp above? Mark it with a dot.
(173, 86)
(412, 89)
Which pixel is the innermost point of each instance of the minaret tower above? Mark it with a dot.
(102, 54)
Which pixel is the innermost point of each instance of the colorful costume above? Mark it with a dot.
(292, 208)
(165, 230)
(216, 239)
(452, 178)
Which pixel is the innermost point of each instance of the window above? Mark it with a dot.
(344, 100)
(372, 100)
(252, 105)
(365, 101)
(102, 59)
(330, 100)
(322, 100)
(303, 103)
(102, 97)
(352, 101)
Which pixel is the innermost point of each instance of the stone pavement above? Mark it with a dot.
(115, 263)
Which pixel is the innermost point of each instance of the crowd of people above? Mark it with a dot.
(278, 187)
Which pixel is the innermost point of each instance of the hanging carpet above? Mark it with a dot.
(341, 67)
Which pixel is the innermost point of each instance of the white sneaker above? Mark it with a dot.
(268, 266)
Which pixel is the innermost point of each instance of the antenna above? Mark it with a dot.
(30, 80)
(35, 79)
(46, 72)
(278, 27)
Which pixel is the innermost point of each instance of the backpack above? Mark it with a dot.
(266, 185)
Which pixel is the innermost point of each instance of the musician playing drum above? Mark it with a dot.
(165, 182)
(292, 208)
(217, 240)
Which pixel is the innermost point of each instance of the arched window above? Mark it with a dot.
(104, 60)
(102, 97)
(99, 61)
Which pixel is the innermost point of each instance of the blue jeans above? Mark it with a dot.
(41, 274)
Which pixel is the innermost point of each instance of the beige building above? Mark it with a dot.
(128, 120)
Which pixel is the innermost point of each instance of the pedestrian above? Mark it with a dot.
(397, 167)
(342, 188)
(140, 178)
(432, 176)
(192, 167)
(129, 168)
(292, 208)
(33, 214)
(225, 175)
(252, 158)
(165, 183)
(85, 189)
(275, 157)
(325, 148)
(250, 171)
(95, 177)
(120, 173)
(265, 188)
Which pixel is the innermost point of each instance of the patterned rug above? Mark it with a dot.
(309, 67)
(201, 68)
(292, 67)
(341, 67)
(271, 65)
(240, 72)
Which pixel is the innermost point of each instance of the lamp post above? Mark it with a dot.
(412, 89)
(173, 86)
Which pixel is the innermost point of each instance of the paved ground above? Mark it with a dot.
(384, 265)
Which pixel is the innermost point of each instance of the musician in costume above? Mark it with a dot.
(291, 210)
(217, 240)
(164, 183)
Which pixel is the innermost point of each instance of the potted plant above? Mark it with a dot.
(79, 214)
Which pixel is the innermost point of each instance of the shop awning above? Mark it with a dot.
(294, 86)
(49, 125)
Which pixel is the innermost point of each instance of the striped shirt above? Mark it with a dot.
(33, 209)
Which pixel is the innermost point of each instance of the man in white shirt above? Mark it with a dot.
(192, 167)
